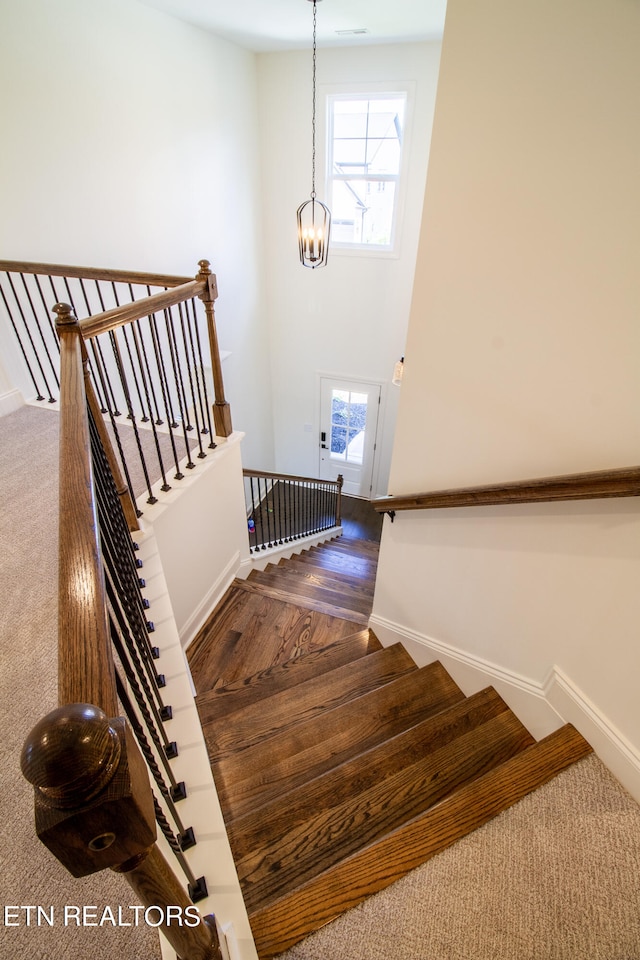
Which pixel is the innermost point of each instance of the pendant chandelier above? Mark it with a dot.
(314, 217)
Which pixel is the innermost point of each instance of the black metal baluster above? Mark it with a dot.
(126, 649)
(54, 367)
(188, 340)
(121, 570)
(138, 342)
(131, 415)
(268, 494)
(39, 395)
(47, 388)
(148, 378)
(179, 385)
(188, 366)
(253, 518)
(177, 791)
(111, 402)
(164, 387)
(48, 311)
(207, 405)
(262, 503)
(190, 325)
(197, 889)
(277, 526)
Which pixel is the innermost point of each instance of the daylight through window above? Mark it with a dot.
(365, 152)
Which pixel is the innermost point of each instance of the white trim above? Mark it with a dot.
(10, 401)
(542, 706)
(371, 89)
(381, 416)
(209, 602)
(212, 856)
(525, 696)
(613, 748)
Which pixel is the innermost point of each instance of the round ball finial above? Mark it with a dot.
(71, 754)
(64, 313)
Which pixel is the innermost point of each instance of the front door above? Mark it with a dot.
(348, 425)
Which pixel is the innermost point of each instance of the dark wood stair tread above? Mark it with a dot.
(354, 548)
(226, 698)
(255, 723)
(359, 566)
(307, 567)
(267, 632)
(325, 839)
(288, 759)
(333, 593)
(352, 612)
(342, 886)
(316, 577)
(263, 825)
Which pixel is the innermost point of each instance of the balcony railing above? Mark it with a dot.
(282, 508)
(153, 359)
(92, 760)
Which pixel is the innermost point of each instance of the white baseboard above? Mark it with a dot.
(210, 601)
(541, 706)
(10, 401)
(613, 748)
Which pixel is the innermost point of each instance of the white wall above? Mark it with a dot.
(201, 533)
(348, 319)
(523, 359)
(130, 140)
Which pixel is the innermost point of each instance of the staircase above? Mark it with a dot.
(340, 764)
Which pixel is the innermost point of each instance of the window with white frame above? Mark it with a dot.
(365, 145)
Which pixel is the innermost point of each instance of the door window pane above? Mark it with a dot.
(348, 420)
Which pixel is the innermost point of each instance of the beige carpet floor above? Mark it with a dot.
(556, 877)
(29, 874)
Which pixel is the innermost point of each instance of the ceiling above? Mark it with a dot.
(263, 25)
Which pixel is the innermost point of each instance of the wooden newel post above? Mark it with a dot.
(94, 809)
(221, 409)
(340, 481)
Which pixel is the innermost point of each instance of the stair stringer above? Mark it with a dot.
(260, 559)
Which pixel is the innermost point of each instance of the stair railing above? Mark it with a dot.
(94, 807)
(282, 508)
(147, 362)
(593, 485)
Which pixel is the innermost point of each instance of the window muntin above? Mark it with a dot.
(365, 142)
(348, 422)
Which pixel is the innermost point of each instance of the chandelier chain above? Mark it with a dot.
(313, 112)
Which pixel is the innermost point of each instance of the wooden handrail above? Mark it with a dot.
(110, 319)
(85, 671)
(622, 482)
(269, 474)
(93, 273)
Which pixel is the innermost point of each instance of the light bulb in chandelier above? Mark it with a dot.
(314, 224)
(314, 217)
